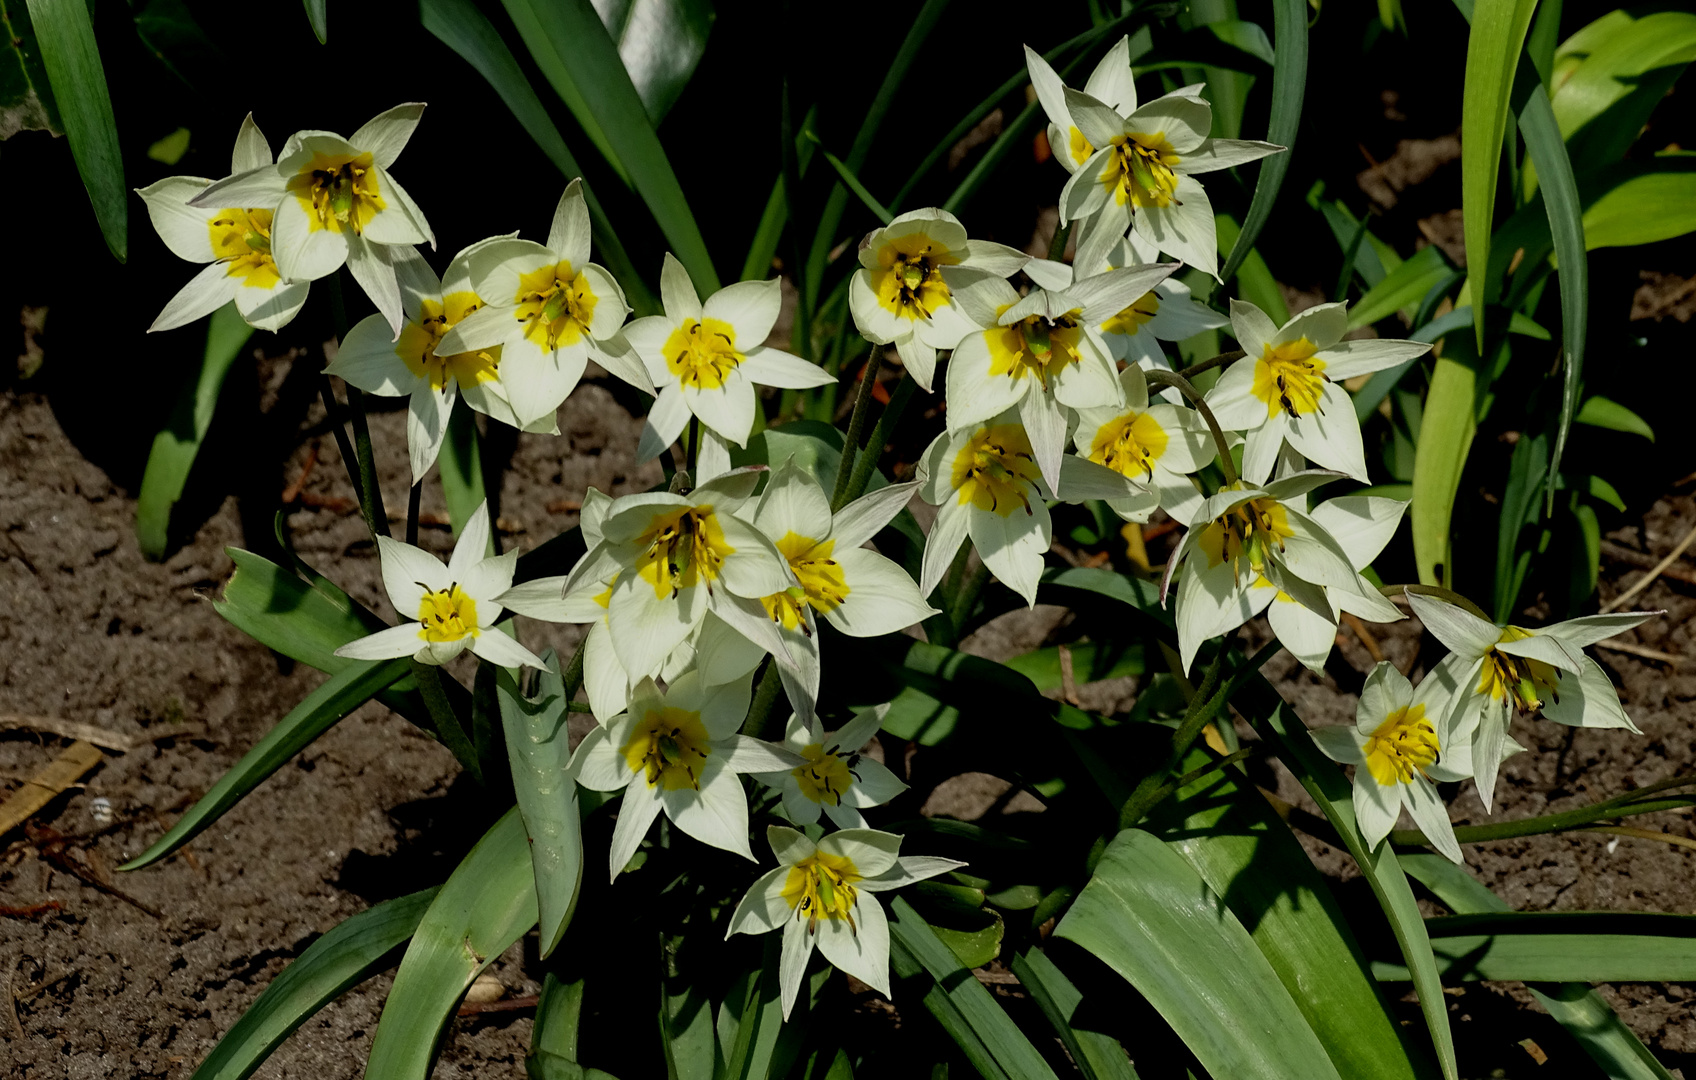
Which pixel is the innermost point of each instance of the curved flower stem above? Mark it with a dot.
(1437, 591)
(856, 426)
(758, 724)
(361, 464)
(1620, 806)
(1209, 364)
(1186, 388)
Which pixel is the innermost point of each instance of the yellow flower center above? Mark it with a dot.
(702, 354)
(1035, 346)
(1139, 171)
(822, 585)
(1404, 744)
(1527, 680)
(1287, 377)
(683, 547)
(669, 748)
(418, 340)
(242, 240)
(996, 470)
(1134, 317)
(1246, 531)
(447, 615)
(821, 886)
(555, 305)
(338, 191)
(1129, 445)
(826, 776)
(908, 280)
(1080, 147)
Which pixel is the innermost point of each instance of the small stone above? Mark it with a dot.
(485, 988)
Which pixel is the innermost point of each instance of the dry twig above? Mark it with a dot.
(1647, 579)
(69, 729)
(46, 785)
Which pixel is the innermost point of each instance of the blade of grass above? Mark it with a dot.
(853, 182)
(65, 33)
(318, 15)
(769, 233)
(1289, 81)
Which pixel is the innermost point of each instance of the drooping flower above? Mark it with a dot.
(707, 358)
(1402, 744)
(446, 609)
(837, 779)
(234, 242)
(1139, 162)
(1155, 446)
(1500, 670)
(1288, 388)
(410, 366)
(677, 750)
(816, 896)
(985, 484)
(550, 310)
(899, 295)
(336, 202)
(1040, 354)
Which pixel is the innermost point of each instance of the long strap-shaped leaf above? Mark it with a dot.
(980, 1027)
(1492, 55)
(1325, 782)
(1563, 946)
(1149, 916)
(1584, 1013)
(72, 60)
(538, 746)
(178, 443)
(487, 904)
(1098, 1056)
(339, 695)
(572, 46)
(352, 952)
(1289, 83)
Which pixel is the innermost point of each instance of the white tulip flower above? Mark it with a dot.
(1155, 446)
(837, 780)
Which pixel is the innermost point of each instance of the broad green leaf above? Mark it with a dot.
(1150, 917)
(26, 99)
(487, 904)
(1602, 412)
(559, 1011)
(304, 622)
(461, 470)
(1252, 861)
(660, 42)
(539, 748)
(1654, 204)
(1374, 258)
(1091, 662)
(1401, 288)
(686, 1033)
(71, 58)
(178, 443)
(1379, 384)
(984, 1032)
(812, 446)
(974, 948)
(1492, 55)
(571, 46)
(1445, 439)
(1097, 1055)
(1584, 1013)
(1562, 946)
(1617, 57)
(1289, 80)
(752, 1035)
(339, 695)
(351, 952)
(467, 31)
(318, 16)
(1324, 782)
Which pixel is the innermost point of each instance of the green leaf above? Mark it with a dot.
(1562, 946)
(1324, 782)
(660, 43)
(1150, 917)
(1403, 287)
(65, 35)
(1492, 55)
(462, 467)
(284, 613)
(1526, 471)
(1617, 57)
(1603, 412)
(984, 1032)
(571, 46)
(1090, 663)
(538, 745)
(686, 1032)
(26, 98)
(351, 952)
(317, 15)
(339, 695)
(1289, 80)
(752, 1035)
(1254, 277)
(1584, 1013)
(1097, 1055)
(467, 31)
(177, 445)
(1445, 439)
(763, 248)
(1648, 206)
(559, 1009)
(487, 904)
(1252, 862)
(847, 177)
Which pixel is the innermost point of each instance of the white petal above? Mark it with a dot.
(750, 307)
(862, 952)
(882, 599)
(206, 292)
(866, 516)
(303, 253)
(1226, 154)
(1013, 546)
(568, 235)
(426, 426)
(502, 651)
(762, 908)
(185, 229)
(385, 135)
(640, 806)
(947, 533)
(251, 150)
(408, 573)
(677, 292)
(666, 421)
(1463, 632)
(384, 644)
(774, 367)
(717, 814)
(792, 962)
(1375, 808)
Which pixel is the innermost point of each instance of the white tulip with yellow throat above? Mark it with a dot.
(1156, 446)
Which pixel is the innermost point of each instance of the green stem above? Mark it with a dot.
(335, 416)
(693, 448)
(866, 462)
(573, 673)
(448, 727)
(1183, 386)
(1439, 593)
(758, 724)
(413, 499)
(1212, 362)
(856, 426)
(965, 595)
(1548, 823)
(371, 501)
(1057, 246)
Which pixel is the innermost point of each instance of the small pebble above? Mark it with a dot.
(100, 809)
(485, 988)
